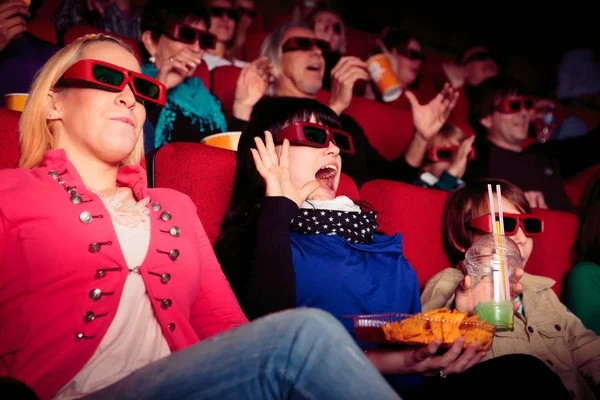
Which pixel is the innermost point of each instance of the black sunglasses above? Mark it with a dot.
(415, 55)
(188, 34)
(305, 44)
(231, 13)
(249, 12)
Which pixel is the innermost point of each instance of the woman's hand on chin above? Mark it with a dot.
(174, 70)
(276, 170)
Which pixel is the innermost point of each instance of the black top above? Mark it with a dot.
(331, 59)
(256, 258)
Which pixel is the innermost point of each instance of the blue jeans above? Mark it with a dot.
(297, 354)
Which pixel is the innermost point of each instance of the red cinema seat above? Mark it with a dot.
(43, 29)
(360, 44)
(9, 138)
(202, 172)
(203, 73)
(223, 81)
(254, 41)
(552, 254)
(47, 9)
(575, 185)
(416, 213)
(389, 129)
(258, 24)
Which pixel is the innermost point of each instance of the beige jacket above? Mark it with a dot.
(550, 332)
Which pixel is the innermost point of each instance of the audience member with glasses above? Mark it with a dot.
(248, 13)
(501, 117)
(405, 51)
(175, 39)
(543, 326)
(328, 25)
(224, 20)
(448, 155)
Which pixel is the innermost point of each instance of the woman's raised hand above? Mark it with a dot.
(275, 170)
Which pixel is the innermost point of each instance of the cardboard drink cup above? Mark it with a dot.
(382, 73)
(15, 101)
(226, 140)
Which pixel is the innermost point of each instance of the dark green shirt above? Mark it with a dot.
(582, 294)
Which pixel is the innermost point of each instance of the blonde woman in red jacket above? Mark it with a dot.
(109, 289)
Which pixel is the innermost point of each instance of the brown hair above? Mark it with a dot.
(468, 201)
(587, 247)
(36, 133)
(491, 92)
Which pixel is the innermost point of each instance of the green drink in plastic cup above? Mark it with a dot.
(491, 261)
(499, 314)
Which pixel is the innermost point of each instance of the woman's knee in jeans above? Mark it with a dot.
(309, 322)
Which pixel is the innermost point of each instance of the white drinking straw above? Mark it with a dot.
(492, 212)
(504, 260)
(499, 193)
(495, 273)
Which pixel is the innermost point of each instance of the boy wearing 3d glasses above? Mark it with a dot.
(446, 159)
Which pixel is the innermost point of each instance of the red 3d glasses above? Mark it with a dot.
(532, 225)
(515, 104)
(112, 78)
(446, 153)
(315, 135)
(304, 44)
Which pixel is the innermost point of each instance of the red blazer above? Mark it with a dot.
(62, 272)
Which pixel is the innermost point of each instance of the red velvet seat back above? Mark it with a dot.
(254, 41)
(388, 129)
(223, 82)
(9, 138)
(552, 254)
(575, 185)
(43, 29)
(202, 172)
(415, 212)
(203, 73)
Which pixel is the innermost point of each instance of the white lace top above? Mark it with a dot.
(134, 339)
